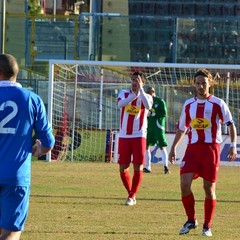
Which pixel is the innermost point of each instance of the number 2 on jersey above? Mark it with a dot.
(9, 117)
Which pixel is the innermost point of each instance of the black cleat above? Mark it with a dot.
(166, 170)
(188, 226)
(146, 170)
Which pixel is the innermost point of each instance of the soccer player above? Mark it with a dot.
(21, 113)
(156, 131)
(202, 116)
(134, 104)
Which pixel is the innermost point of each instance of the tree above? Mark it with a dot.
(34, 7)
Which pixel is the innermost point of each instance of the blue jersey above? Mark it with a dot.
(22, 113)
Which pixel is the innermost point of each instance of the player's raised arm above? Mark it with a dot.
(125, 98)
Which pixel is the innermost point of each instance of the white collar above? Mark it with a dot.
(9, 84)
(201, 100)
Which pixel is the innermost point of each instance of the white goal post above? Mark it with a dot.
(82, 100)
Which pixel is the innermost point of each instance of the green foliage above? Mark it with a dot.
(34, 7)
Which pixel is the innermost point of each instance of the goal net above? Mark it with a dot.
(82, 100)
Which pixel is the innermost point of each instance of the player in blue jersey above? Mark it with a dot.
(22, 113)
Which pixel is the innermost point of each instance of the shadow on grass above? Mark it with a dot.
(142, 199)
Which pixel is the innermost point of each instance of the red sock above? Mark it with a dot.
(209, 210)
(189, 206)
(126, 180)
(136, 181)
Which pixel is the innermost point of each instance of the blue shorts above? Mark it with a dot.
(14, 205)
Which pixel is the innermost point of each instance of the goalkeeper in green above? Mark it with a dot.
(156, 132)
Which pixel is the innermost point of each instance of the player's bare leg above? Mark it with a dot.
(10, 235)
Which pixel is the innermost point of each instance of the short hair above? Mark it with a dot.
(151, 91)
(9, 66)
(141, 75)
(205, 73)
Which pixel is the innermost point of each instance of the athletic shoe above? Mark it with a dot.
(206, 232)
(130, 201)
(146, 170)
(188, 226)
(166, 170)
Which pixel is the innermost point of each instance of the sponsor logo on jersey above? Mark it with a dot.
(200, 123)
(132, 110)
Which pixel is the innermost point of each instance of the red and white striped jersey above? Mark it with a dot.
(133, 113)
(203, 119)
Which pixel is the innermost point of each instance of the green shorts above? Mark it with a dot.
(158, 137)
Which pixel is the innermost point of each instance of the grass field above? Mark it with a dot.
(86, 201)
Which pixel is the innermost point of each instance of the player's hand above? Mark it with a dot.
(232, 154)
(172, 156)
(37, 149)
(152, 113)
(140, 82)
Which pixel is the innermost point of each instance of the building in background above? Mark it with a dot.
(197, 31)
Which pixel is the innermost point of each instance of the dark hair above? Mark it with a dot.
(150, 89)
(205, 73)
(141, 75)
(8, 66)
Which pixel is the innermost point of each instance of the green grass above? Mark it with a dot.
(85, 201)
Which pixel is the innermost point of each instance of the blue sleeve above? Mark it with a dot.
(43, 129)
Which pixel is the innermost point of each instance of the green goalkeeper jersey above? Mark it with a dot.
(157, 115)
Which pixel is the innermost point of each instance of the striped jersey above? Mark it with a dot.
(133, 114)
(203, 119)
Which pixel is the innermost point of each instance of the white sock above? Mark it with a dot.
(148, 160)
(165, 156)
